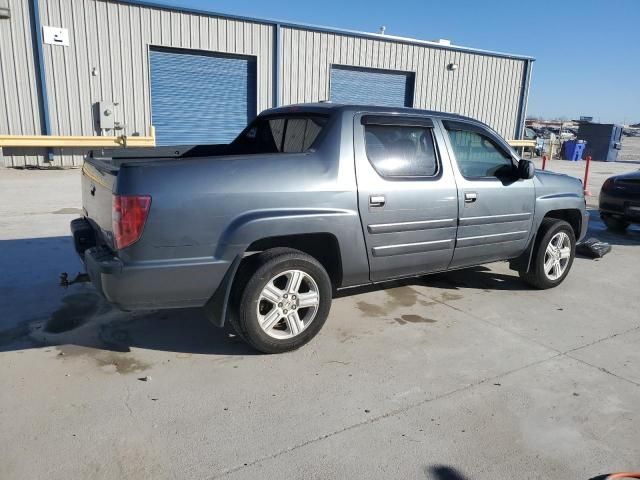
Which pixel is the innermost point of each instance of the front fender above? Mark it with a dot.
(558, 201)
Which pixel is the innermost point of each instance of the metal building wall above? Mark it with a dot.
(114, 38)
(19, 107)
(486, 87)
(108, 60)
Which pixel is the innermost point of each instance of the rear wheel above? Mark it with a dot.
(282, 299)
(553, 254)
(613, 223)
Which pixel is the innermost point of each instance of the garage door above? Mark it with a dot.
(372, 87)
(198, 98)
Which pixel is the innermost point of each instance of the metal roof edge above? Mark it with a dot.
(321, 28)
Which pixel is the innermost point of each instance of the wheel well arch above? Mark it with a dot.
(570, 215)
(323, 246)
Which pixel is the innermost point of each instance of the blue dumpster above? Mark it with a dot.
(604, 140)
(573, 149)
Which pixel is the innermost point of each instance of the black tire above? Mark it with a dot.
(536, 276)
(615, 224)
(254, 273)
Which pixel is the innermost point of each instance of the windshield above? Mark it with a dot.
(281, 134)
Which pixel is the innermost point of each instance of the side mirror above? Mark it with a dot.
(526, 169)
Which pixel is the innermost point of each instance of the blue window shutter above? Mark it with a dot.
(198, 98)
(371, 87)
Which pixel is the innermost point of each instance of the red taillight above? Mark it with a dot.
(129, 215)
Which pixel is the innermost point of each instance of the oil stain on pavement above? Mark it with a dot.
(401, 297)
(404, 319)
(76, 309)
(371, 309)
(109, 362)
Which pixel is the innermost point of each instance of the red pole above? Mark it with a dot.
(544, 162)
(586, 176)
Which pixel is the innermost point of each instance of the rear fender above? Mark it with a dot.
(259, 224)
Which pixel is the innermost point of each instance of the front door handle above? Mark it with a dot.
(470, 197)
(377, 201)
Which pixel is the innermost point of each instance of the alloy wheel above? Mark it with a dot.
(288, 304)
(557, 256)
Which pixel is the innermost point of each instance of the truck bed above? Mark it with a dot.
(100, 175)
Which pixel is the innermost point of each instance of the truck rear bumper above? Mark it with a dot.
(153, 285)
(150, 284)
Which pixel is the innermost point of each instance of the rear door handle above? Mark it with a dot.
(470, 197)
(377, 201)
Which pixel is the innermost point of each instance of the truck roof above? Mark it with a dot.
(329, 107)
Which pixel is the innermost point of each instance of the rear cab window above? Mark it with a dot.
(282, 133)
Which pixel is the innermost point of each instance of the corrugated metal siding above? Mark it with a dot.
(19, 108)
(485, 87)
(370, 86)
(200, 98)
(114, 38)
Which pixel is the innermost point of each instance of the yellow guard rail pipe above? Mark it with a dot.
(522, 143)
(65, 141)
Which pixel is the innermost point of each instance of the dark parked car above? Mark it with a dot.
(620, 201)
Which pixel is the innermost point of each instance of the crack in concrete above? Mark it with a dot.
(604, 370)
(126, 400)
(560, 352)
(603, 339)
(499, 327)
(378, 418)
(398, 411)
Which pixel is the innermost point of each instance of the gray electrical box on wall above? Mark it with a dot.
(4, 9)
(107, 115)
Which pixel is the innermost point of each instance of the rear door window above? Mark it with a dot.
(401, 150)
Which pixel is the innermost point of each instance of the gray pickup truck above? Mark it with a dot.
(311, 199)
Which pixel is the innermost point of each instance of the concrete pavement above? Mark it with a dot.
(469, 373)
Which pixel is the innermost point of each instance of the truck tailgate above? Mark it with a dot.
(98, 181)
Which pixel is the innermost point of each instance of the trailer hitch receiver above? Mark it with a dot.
(79, 278)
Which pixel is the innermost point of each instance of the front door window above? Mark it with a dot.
(478, 156)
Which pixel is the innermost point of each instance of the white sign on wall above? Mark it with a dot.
(55, 36)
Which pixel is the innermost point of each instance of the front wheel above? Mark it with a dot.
(553, 254)
(285, 301)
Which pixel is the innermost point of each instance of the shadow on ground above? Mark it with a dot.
(35, 311)
(477, 278)
(598, 230)
(443, 472)
(85, 319)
